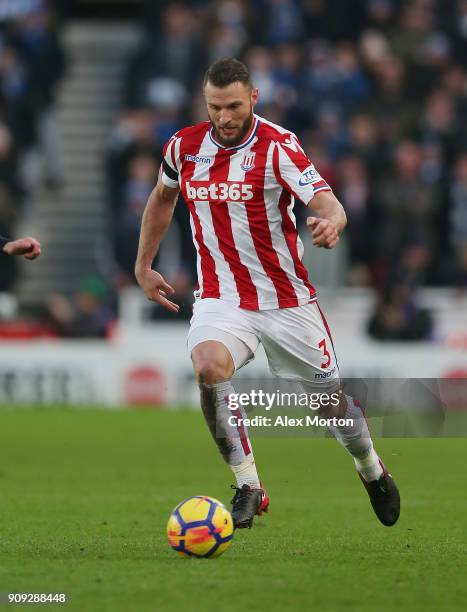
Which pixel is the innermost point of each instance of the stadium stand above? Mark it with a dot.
(376, 91)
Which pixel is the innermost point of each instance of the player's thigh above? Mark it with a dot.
(298, 344)
(215, 323)
(212, 362)
(216, 355)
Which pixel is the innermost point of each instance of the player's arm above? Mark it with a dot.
(156, 219)
(295, 172)
(330, 221)
(29, 247)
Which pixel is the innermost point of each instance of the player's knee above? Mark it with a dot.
(212, 363)
(210, 372)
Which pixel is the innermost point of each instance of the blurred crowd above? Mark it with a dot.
(32, 63)
(375, 89)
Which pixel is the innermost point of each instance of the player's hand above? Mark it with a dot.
(323, 232)
(29, 247)
(156, 289)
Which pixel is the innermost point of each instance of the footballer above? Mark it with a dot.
(240, 175)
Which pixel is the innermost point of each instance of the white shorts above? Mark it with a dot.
(297, 341)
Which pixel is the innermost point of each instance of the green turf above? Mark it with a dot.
(85, 497)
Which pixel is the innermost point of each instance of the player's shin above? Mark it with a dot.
(226, 423)
(355, 437)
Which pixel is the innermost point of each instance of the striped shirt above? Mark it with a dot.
(240, 201)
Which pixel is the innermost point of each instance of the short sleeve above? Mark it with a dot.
(295, 171)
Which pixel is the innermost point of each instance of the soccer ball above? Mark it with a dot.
(200, 526)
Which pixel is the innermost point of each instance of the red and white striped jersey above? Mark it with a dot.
(240, 201)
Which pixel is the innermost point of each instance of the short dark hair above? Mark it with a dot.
(226, 71)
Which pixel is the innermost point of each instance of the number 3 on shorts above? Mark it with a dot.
(322, 345)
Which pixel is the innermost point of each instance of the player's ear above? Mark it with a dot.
(254, 96)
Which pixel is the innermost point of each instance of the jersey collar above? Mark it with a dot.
(248, 138)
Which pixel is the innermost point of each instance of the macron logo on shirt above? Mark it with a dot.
(198, 159)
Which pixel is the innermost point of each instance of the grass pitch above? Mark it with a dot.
(85, 497)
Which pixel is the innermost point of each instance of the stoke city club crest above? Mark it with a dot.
(248, 162)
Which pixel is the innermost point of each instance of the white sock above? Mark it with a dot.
(233, 442)
(369, 466)
(245, 473)
(356, 439)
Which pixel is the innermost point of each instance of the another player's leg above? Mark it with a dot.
(214, 367)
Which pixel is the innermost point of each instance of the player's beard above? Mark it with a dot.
(237, 139)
